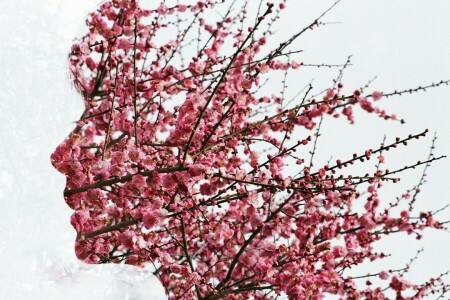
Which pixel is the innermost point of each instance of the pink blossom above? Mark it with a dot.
(383, 275)
(168, 181)
(138, 180)
(339, 251)
(182, 8)
(377, 95)
(124, 44)
(196, 170)
(150, 219)
(118, 157)
(91, 64)
(134, 154)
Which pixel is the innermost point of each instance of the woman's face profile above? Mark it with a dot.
(119, 172)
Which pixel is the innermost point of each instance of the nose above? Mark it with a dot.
(62, 154)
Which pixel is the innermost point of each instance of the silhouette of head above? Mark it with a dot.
(135, 160)
(119, 153)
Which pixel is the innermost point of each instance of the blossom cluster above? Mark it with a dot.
(166, 167)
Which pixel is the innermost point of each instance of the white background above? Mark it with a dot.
(406, 43)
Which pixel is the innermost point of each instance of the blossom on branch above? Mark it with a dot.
(182, 160)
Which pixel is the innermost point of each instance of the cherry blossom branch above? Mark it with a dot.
(121, 180)
(111, 114)
(362, 157)
(418, 89)
(136, 139)
(222, 77)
